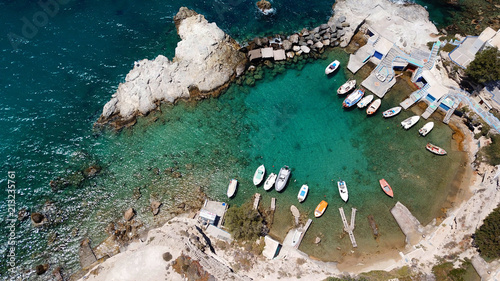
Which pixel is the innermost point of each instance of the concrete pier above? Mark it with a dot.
(273, 204)
(256, 201)
(349, 227)
(306, 227)
(410, 226)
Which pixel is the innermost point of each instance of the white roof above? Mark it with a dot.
(207, 215)
(270, 248)
(436, 89)
(495, 41)
(383, 45)
(486, 35)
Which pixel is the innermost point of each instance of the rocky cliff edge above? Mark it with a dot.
(206, 60)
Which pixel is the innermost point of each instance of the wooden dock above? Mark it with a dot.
(256, 201)
(306, 227)
(349, 227)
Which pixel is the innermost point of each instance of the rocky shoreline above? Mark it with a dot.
(206, 61)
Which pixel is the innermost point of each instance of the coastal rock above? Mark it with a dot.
(318, 45)
(38, 219)
(257, 42)
(287, 45)
(409, 21)
(317, 240)
(296, 48)
(129, 214)
(41, 268)
(264, 6)
(305, 49)
(304, 32)
(23, 214)
(294, 38)
(310, 42)
(326, 42)
(324, 26)
(290, 55)
(155, 207)
(206, 60)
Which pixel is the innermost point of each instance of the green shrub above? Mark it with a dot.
(485, 67)
(487, 237)
(244, 223)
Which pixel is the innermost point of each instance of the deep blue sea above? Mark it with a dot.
(59, 66)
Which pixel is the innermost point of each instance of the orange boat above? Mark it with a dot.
(386, 187)
(320, 209)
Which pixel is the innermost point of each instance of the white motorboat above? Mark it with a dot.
(231, 190)
(296, 237)
(426, 129)
(392, 111)
(332, 67)
(373, 106)
(365, 101)
(409, 122)
(270, 181)
(347, 87)
(258, 177)
(282, 179)
(344, 194)
(303, 193)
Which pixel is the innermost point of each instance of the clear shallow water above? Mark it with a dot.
(54, 87)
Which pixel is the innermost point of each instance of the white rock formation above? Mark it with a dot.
(205, 61)
(407, 24)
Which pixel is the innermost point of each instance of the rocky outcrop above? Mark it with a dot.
(264, 6)
(206, 60)
(129, 214)
(410, 22)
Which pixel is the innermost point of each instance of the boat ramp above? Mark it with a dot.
(349, 227)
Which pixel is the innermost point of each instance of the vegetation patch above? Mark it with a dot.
(190, 269)
(487, 237)
(485, 67)
(244, 223)
(446, 272)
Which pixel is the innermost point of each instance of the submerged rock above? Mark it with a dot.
(155, 207)
(264, 6)
(129, 214)
(41, 268)
(205, 59)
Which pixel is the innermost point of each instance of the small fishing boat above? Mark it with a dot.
(353, 98)
(270, 181)
(365, 101)
(343, 190)
(409, 122)
(435, 149)
(258, 177)
(296, 237)
(303, 193)
(426, 129)
(373, 107)
(332, 67)
(392, 111)
(386, 187)
(231, 190)
(320, 209)
(347, 87)
(282, 179)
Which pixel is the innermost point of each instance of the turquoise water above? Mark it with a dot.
(54, 87)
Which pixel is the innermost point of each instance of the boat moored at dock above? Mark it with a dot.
(426, 129)
(346, 87)
(386, 187)
(410, 121)
(231, 190)
(320, 209)
(374, 106)
(343, 190)
(392, 112)
(332, 67)
(435, 149)
(258, 177)
(270, 181)
(282, 179)
(353, 98)
(303, 193)
(365, 101)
